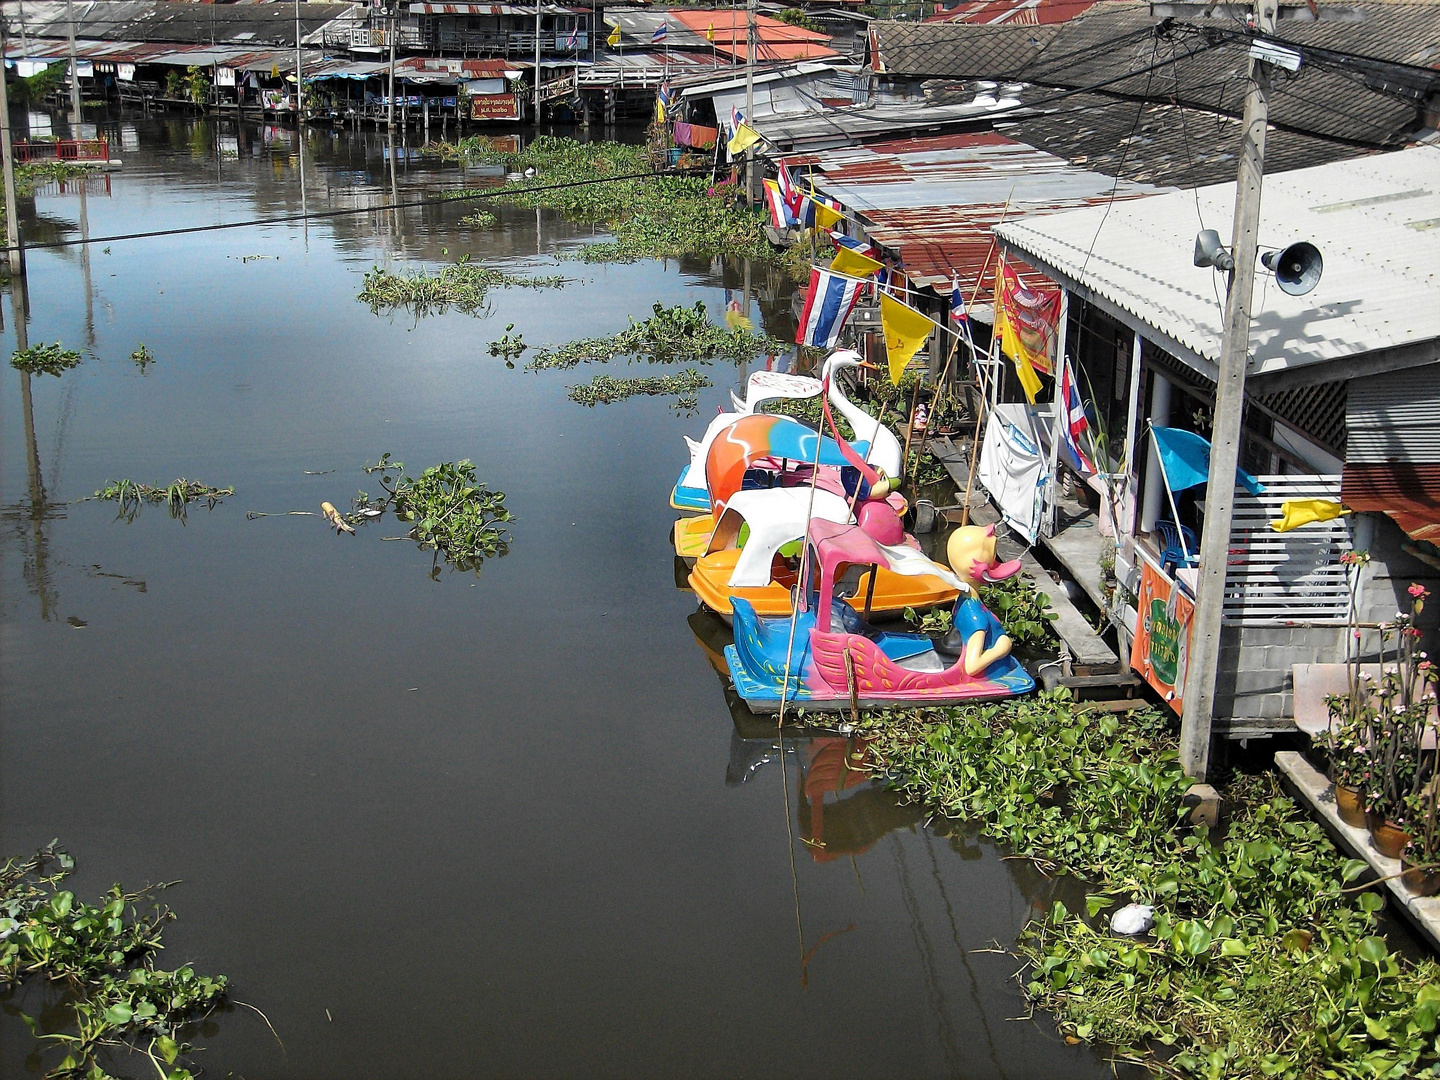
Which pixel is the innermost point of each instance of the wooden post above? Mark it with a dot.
(1205, 627)
(7, 149)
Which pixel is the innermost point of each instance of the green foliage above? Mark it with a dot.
(1022, 609)
(176, 497)
(450, 511)
(936, 621)
(103, 957)
(462, 285)
(45, 359)
(796, 17)
(480, 219)
(651, 215)
(143, 358)
(36, 88)
(672, 335)
(605, 389)
(511, 348)
(1259, 964)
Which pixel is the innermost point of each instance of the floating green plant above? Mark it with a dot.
(102, 958)
(1261, 961)
(605, 389)
(45, 359)
(511, 348)
(671, 335)
(462, 285)
(480, 219)
(175, 497)
(143, 358)
(450, 511)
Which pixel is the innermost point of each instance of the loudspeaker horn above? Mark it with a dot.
(1297, 268)
(1209, 251)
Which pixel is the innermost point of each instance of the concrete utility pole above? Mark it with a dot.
(537, 63)
(749, 99)
(390, 93)
(12, 217)
(74, 68)
(299, 76)
(1199, 699)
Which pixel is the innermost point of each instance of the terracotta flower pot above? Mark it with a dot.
(1350, 803)
(1420, 882)
(1387, 838)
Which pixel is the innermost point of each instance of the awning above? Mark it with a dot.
(1409, 493)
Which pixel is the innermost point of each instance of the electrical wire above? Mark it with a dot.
(286, 219)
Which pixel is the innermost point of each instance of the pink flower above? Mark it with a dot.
(1419, 591)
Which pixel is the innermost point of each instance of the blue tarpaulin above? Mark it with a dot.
(1186, 459)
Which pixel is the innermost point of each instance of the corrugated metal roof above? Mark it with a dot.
(1022, 12)
(177, 22)
(493, 9)
(933, 201)
(1374, 219)
(1394, 417)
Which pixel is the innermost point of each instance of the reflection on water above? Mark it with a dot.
(514, 820)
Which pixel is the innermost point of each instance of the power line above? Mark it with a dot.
(286, 219)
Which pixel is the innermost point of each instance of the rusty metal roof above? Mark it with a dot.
(933, 201)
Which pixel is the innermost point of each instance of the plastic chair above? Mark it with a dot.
(1172, 553)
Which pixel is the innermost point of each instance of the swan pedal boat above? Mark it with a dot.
(874, 441)
(884, 668)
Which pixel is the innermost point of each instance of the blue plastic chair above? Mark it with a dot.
(1172, 554)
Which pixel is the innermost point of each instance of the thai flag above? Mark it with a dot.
(787, 191)
(666, 96)
(574, 38)
(860, 246)
(780, 215)
(828, 303)
(1076, 423)
(957, 301)
(659, 36)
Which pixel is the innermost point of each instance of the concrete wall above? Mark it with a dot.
(1256, 663)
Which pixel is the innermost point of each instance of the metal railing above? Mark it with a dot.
(62, 150)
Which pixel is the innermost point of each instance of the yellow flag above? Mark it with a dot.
(825, 216)
(1011, 344)
(1297, 512)
(710, 33)
(905, 331)
(745, 137)
(274, 71)
(614, 38)
(849, 261)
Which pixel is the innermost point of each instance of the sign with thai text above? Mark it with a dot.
(494, 107)
(1161, 650)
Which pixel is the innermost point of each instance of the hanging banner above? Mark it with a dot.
(224, 76)
(1161, 651)
(1026, 322)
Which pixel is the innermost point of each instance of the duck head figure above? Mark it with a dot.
(971, 552)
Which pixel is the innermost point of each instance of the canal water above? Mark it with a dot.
(440, 825)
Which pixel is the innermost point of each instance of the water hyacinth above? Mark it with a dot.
(605, 389)
(462, 285)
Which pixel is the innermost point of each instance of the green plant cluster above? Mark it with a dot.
(45, 359)
(462, 285)
(103, 956)
(449, 510)
(143, 358)
(1259, 963)
(651, 215)
(480, 219)
(1022, 609)
(508, 347)
(671, 335)
(176, 496)
(605, 389)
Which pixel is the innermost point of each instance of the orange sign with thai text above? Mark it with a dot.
(1161, 651)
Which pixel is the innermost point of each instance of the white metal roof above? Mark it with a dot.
(1376, 221)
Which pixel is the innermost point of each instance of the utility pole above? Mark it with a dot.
(749, 99)
(390, 93)
(537, 63)
(1205, 626)
(7, 150)
(299, 76)
(74, 69)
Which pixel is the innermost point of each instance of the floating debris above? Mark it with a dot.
(334, 517)
(672, 335)
(45, 359)
(606, 389)
(176, 497)
(462, 285)
(143, 358)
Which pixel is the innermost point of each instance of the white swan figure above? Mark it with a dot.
(884, 452)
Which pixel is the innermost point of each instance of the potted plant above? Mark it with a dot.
(1351, 713)
(1420, 861)
(1405, 698)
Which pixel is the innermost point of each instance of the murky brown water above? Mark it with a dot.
(501, 825)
